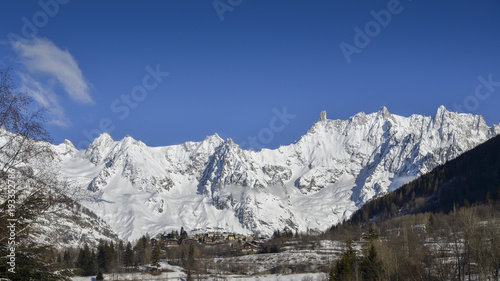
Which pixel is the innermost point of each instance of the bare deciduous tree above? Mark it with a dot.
(29, 185)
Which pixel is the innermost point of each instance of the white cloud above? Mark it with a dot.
(46, 97)
(41, 56)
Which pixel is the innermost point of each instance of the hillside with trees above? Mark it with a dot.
(473, 177)
(444, 225)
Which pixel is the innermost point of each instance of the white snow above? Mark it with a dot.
(310, 185)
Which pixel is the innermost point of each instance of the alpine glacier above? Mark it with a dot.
(309, 185)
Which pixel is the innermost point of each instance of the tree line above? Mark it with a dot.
(463, 244)
(473, 177)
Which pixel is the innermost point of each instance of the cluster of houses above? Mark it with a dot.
(217, 237)
(248, 244)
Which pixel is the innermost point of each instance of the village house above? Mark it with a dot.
(171, 243)
(250, 248)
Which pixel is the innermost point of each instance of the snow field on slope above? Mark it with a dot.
(311, 184)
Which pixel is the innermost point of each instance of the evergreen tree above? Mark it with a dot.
(105, 254)
(371, 267)
(109, 256)
(128, 256)
(99, 276)
(431, 220)
(67, 259)
(143, 250)
(86, 261)
(174, 234)
(148, 249)
(101, 252)
(190, 261)
(81, 259)
(92, 265)
(345, 267)
(183, 234)
(119, 255)
(156, 257)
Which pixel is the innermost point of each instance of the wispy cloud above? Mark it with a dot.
(41, 56)
(46, 97)
(46, 68)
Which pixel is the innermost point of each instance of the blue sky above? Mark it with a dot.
(166, 72)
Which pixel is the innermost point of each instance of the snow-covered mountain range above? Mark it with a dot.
(309, 185)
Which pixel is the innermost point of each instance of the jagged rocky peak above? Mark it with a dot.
(361, 114)
(229, 149)
(496, 129)
(214, 138)
(357, 120)
(322, 117)
(386, 118)
(129, 140)
(383, 111)
(229, 165)
(230, 142)
(208, 145)
(68, 145)
(99, 147)
(68, 142)
(229, 146)
(318, 125)
(102, 140)
(442, 114)
(441, 110)
(314, 183)
(66, 148)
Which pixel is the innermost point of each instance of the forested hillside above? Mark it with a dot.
(473, 177)
(442, 226)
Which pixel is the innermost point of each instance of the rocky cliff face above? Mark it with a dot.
(332, 170)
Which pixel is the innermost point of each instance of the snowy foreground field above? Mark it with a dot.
(257, 266)
(182, 276)
(178, 273)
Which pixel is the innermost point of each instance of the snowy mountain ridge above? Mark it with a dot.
(214, 184)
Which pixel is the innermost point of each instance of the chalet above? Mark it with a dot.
(155, 242)
(171, 243)
(207, 239)
(250, 248)
(189, 241)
